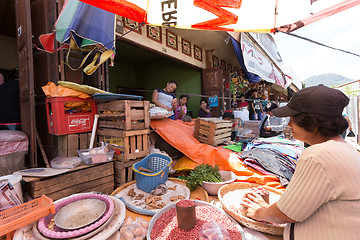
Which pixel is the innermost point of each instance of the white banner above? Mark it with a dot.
(256, 62)
(227, 15)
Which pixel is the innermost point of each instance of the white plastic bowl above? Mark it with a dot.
(213, 188)
(80, 213)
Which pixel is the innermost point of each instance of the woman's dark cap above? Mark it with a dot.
(321, 100)
(270, 106)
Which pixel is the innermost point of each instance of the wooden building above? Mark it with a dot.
(200, 61)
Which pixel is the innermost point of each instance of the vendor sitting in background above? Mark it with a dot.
(270, 125)
(204, 110)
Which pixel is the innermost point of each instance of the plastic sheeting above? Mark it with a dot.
(13, 141)
(180, 135)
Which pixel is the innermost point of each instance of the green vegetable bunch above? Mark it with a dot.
(202, 172)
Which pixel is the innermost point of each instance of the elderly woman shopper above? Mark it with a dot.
(322, 200)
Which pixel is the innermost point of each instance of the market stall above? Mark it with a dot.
(144, 189)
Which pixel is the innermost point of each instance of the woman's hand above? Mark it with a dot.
(256, 208)
(267, 128)
(253, 204)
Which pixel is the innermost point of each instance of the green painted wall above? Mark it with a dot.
(122, 74)
(142, 69)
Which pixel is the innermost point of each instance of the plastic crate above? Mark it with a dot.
(61, 122)
(21, 215)
(88, 158)
(159, 165)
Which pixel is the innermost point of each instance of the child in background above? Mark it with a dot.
(181, 109)
(204, 110)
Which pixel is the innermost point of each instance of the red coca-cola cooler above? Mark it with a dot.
(68, 115)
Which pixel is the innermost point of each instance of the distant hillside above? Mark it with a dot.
(329, 80)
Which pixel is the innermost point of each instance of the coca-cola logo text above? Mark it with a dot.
(79, 122)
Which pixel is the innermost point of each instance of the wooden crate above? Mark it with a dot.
(69, 144)
(124, 114)
(123, 172)
(86, 178)
(132, 144)
(213, 131)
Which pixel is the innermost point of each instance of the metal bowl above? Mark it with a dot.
(80, 213)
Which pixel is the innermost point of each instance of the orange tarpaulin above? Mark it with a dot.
(180, 135)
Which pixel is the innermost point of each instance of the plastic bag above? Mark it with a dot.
(65, 162)
(51, 90)
(9, 197)
(134, 230)
(12, 141)
(213, 230)
(159, 113)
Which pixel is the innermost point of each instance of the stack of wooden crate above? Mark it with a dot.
(69, 144)
(213, 131)
(85, 178)
(125, 126)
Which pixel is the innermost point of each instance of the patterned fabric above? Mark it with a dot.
(159, 113)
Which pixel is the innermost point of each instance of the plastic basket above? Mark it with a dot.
(21, 215)
(88, 158)
(158, 164)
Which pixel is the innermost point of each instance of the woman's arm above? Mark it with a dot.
(258, 209)
(349, 122)
(205, 109)
(155, 100)
(183, 111)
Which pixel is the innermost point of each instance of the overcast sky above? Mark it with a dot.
(307, 59)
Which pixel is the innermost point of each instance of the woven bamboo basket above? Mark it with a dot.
(248, 222)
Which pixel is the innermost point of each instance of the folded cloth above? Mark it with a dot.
(235, 147)
(272, 162)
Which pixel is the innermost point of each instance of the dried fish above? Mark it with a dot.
(159, 190)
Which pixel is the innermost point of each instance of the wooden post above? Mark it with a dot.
(211, 140)
(197, 127)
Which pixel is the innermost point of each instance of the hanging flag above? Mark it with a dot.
(228, 15)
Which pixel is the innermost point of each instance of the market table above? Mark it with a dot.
(198, 194)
